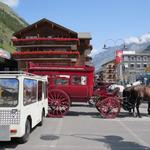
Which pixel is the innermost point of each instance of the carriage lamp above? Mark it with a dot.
(104, 47)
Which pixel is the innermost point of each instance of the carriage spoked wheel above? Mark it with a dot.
(59, 103)
(108, 107)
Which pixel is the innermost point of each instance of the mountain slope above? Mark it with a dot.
(10, 22)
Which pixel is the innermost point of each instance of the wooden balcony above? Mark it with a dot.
(42, 55)
(45, 41)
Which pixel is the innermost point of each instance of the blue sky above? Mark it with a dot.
(104, 19)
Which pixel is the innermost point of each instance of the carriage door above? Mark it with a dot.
(79, 86)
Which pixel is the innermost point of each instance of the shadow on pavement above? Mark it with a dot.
(113, 142)
(129, 115)
(11, 144)
(75, 113)
(49, 137)
(81, 105)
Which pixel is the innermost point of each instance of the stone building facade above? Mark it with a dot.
(134, 64)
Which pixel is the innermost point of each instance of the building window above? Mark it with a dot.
(139, 58)
(138, 65)
(113, 66)
(109, 66)
(110, 76)
(132, 58)
(131, 65)
(144, 65)
(145, 58)
(126, 65)
(126, 58)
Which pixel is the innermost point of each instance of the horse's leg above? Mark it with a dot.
(148, 109)
(137, 108)
(134, 114)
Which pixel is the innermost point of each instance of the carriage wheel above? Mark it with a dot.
(108, 107)
(59, 103)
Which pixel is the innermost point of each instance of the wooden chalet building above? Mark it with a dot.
(109, 71)
(49, 44)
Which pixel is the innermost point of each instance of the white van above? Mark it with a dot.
(23, 104)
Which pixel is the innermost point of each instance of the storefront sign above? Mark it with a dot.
(119, 57)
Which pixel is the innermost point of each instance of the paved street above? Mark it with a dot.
(84, 129)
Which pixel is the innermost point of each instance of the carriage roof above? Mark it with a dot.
(10, 74)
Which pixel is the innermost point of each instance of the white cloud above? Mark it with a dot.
(138, 40)
(11, 3)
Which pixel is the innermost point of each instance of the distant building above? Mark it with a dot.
(46, 43)
(108, 73)
(134, 64)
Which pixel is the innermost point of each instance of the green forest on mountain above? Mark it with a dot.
(9, 23)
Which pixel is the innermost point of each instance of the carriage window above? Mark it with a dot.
(29, 91)
(62, 79)
(39, 90)
(79, 80)
(9, 92)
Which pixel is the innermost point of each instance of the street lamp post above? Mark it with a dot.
(120, 64)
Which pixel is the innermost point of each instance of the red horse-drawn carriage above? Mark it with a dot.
(75, 84)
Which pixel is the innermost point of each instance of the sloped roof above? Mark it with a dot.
(111, 61)
(42, 21)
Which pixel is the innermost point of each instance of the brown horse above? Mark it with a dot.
(137, 95)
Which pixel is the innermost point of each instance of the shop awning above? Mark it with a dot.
(4, 54)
